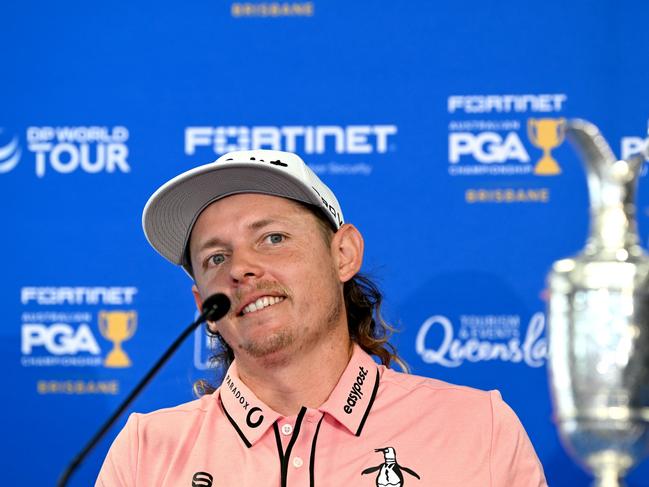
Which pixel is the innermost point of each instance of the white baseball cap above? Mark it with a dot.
(171, 212)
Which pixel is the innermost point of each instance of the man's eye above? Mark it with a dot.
(275, 238)
(216, 259)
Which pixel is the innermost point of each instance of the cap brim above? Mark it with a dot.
(171, 212)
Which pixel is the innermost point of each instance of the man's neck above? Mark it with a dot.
(306, 379)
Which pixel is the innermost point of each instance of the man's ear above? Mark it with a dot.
(347, 247)
(199, 305)
(197, 298)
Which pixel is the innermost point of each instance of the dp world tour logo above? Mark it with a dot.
(9, 155)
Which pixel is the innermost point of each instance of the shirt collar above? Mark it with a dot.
(247, 413)
(349, 402)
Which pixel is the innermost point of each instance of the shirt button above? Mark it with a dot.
(287, 429)
(297, 462)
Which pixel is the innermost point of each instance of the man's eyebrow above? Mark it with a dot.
(259, 224)
(255, 226)
(211, 242)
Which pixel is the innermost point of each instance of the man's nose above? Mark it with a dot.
(244, 265)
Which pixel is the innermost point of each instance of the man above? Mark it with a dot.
(303, 402)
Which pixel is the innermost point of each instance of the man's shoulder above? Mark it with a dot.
(412, 382)
(185, 412)
(473, 425)
(462, 406)
(435, 391)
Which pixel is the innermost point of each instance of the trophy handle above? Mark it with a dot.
(132, 323)
(561, 130)
(531, 131)
(591, 145)
(101, 321)
(611, 187)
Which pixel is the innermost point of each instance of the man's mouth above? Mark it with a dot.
(261, 303)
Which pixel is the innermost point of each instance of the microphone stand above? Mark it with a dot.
(214, 308)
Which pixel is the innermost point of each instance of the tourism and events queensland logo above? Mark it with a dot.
(474, 338)
(89, 149)
(328, 149)
(505, 135)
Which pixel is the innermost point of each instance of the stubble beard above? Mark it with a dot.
(285, 338)
(268, 345)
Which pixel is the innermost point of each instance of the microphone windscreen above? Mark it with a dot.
(216, 306)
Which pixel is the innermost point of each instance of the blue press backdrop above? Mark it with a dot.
(415, 113)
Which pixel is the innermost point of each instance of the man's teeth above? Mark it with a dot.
(262, 303)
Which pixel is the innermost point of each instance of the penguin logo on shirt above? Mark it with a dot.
(390, 472)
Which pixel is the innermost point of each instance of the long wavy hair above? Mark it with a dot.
(366, 326)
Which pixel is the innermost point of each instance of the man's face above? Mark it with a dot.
(270, 257)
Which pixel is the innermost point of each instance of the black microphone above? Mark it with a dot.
(214, 308)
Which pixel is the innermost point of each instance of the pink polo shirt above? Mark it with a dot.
(378, 428)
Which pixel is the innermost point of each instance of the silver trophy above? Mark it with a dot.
(598, 314)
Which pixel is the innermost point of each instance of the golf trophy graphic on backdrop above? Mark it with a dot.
(546, 134)
(117, 326)
(599, 322)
